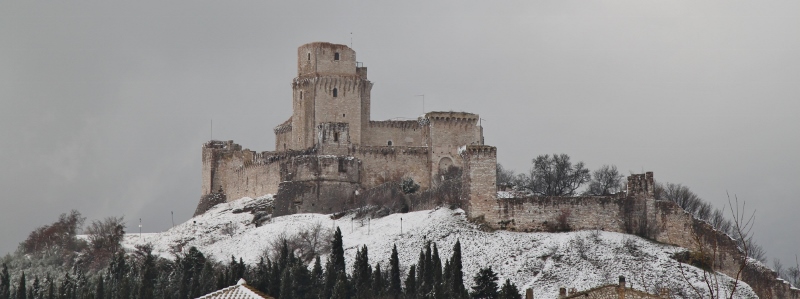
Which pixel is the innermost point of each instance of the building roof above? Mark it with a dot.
(238, 291)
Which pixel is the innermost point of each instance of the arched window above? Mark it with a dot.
(301, 94)
(336, 56)
(389, 143)
(335, 92)
(309, 56)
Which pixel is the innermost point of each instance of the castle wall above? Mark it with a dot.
(400, 133)
(383, 164)
(479, 179)
(448, 132)
(539, 212)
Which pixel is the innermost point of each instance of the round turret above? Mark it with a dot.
(321, 58)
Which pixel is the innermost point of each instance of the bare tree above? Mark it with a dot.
(104, 239)
(504, 176)
(706, 254)
(605, 181)
(554, 176)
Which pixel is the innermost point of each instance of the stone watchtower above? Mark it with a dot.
(330, 88)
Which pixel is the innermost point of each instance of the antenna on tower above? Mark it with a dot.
(351, 40)
(212, 129)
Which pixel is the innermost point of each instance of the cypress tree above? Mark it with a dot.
(426, 285)
(337, 252)
(485, 284)
(317, 278)
(302, 287)
(341, 289)
(394, 274)
(411, 282)
(457, 273)
(36, 288)
(5, 283)
(261, 282)
(378, 282)
(446, 285)
(436, 263)
(362, 273)
(274, 280)
(21, 289)
(509, 291)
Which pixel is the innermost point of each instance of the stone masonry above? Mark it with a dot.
(329, 150)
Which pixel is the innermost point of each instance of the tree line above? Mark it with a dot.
(142, 275)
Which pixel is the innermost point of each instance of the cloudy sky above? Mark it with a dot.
(104, 106)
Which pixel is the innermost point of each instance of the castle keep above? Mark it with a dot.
(329, 149)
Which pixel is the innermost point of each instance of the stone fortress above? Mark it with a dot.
(329, 149)
(329, 153)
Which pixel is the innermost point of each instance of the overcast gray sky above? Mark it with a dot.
(104, 106)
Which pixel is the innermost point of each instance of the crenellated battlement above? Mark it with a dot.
(641, 184)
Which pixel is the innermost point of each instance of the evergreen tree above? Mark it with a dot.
(485, 284)
(509, 291)
(36, 288)
(427, 281)
(317, 278)
(337, 252)
(335, 264)
(362, 273)
(5, 283)
(274, 280)
(301, 282)
(341, 289)
(378, 282)
(420, 279)
(21, 289)
(446, 285)
(457, 288)
(261, 276)
(411, 282)
(394, 274)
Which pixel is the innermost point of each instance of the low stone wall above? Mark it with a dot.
(540, 213)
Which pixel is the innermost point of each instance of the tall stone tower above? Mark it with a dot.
(330, 87)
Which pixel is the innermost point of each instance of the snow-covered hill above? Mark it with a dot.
(542, 261)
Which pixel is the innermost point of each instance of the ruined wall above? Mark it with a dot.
(540, 213)
(239, 173)
(678, 227)
(479, 187)
(383, 164)
(400, 133)
(283, 136)
(317, 184)
(333, 138)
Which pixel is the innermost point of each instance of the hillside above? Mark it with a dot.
(542, 261)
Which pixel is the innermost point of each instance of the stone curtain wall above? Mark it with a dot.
(401, 133)
(383, 164)
(539, 212)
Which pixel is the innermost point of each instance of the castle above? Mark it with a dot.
(329, 155)
(330, 149)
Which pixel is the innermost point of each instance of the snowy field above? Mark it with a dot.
(542, 261)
